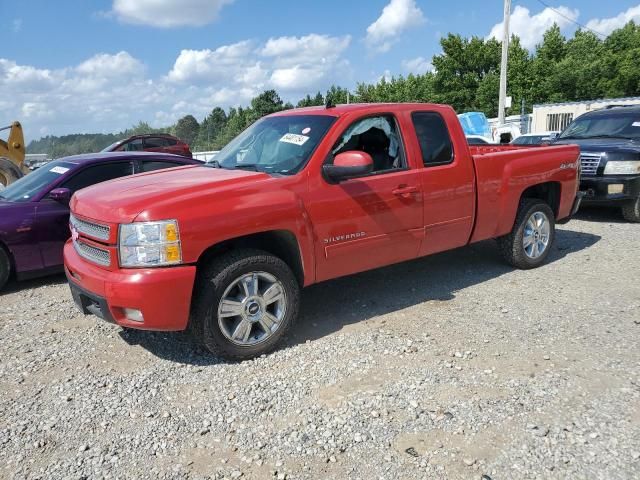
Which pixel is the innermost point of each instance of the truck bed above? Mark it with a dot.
(504, 171)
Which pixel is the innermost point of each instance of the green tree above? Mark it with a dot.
(337, 95)
(187, 129)
(461, 68)
(267, 102)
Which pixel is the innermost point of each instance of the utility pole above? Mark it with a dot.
(504, 62)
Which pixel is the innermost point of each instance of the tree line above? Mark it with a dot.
(465, 75)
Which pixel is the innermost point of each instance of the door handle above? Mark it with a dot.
(405, 190)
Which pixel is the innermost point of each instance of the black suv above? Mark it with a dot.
(609, 141)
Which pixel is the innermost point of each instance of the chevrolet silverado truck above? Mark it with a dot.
(609, 141)
(300, 197)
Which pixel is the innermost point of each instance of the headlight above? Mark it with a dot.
(626, 167)
(149, 244)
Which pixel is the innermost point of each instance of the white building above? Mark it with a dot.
(557, 116)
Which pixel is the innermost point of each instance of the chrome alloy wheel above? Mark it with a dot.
(536, 235)
(252, 308)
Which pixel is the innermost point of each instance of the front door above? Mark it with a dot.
(369, 221)
(53, 217)
(52, 230)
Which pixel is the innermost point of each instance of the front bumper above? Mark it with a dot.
(163, 295)
(597, 189)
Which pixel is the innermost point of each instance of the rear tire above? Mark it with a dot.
(631, 211)
(532, 236)
(5, 268)
(245, 302)
(9, 172)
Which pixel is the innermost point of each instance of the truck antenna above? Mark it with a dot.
(329, 103)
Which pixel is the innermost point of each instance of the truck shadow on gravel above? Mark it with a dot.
(327, 307)
(600, 214)
(434, 278)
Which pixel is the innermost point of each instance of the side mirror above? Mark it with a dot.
(62, 195)
(348, 164)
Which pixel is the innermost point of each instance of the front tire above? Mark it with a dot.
(530, 241)
(631, 211)
(245, 302)
(5, 268)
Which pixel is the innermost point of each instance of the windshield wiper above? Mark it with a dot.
(212, 164)
(247, 166)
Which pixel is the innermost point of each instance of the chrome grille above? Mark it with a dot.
(93, 254)
(95, 230)
(590, 163)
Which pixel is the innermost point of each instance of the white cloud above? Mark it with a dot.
(531, 28)
(418, 65)
(396, 17)
(212, 65)
(289, 51)
(104, 65)
(16, 25)
(607, 25)
(168, 13)
(301, 63)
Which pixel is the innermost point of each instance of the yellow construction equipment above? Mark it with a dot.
(12, 154)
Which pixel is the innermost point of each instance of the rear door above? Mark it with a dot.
(447, 179)
(372, 220)
(52, 217)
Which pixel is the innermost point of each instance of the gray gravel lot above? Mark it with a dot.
(453, 366)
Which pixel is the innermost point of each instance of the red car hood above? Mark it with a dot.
(122, 200)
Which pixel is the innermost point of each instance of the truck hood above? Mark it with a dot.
(122, 200)
(613, 145)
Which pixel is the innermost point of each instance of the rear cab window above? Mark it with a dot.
(434, 139)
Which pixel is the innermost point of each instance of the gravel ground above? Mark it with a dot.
(453, 366)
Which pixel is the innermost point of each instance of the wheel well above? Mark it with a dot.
(281, 243)
(548, 192)
(12, 264)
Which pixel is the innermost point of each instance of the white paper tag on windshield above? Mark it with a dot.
(59, 170)
(635, 124)
(294, 138)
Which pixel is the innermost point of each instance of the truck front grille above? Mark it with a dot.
(93, 254)
(94, 230)
(590, 163)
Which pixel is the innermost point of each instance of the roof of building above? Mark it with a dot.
(599, 100)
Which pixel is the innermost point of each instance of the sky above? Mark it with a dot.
(74, 66)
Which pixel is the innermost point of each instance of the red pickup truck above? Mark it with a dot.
(300, 197)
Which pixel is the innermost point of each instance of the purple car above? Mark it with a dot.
(34, 211)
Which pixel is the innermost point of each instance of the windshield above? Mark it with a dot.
(32, 184)
(616, 126)
(530, 140)
(275, 144)
(111, 147)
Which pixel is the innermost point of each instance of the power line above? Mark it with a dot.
(571, 19)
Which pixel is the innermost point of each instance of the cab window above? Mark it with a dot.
(98, 173)
(433, 136)
(378, 136)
